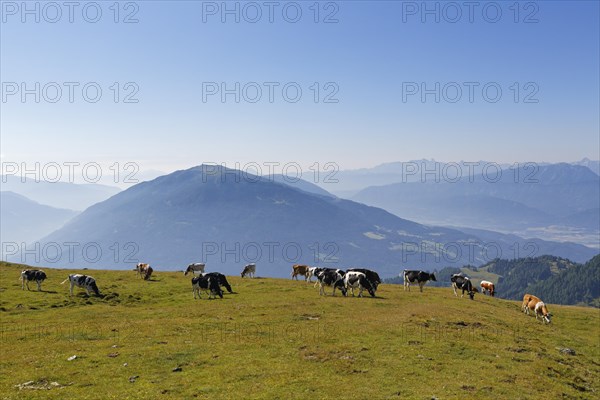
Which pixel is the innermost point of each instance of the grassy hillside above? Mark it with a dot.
(278, 339)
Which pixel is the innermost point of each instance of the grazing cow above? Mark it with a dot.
(83, 281)
(32, 275)
(531, 302)
(249, 270)
(207, 283)
(141, 269)
(330, 277)
(419, 277)
(300, 270)
(372, 276)
(221, 279)
(487, 287)
(195, 268)
(355, 279)
(464, 283)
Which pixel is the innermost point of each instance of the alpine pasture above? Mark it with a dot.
(278, 339)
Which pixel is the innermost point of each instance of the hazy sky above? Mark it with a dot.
(374, 58)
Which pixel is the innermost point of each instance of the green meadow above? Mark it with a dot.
(278, 339)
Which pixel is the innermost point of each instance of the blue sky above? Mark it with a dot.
(371, 56)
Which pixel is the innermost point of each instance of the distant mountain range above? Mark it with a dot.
(521, 199)
(24, 220)
(347, 183)
(58, 194)
(197, 215)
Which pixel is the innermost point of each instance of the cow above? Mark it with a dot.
(221, 279)
(330, 277)
(249, 270)
(209, 283)
(147, 272)
(355, 279)
(141, 269)
(419, 277)
(464, 283)
(32, 275)
(83, 281)
(372, 276)
(300, 270)
(531, 302)
(195, 268)
(313, 271)
(487, 287)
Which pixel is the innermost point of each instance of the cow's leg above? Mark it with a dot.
(39, 286)
(87, 291)
(27, 284)
(454, 289)
(360, 290)
(71, 289)
(321, 290)
(421, 285)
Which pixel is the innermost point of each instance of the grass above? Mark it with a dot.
(278, 339)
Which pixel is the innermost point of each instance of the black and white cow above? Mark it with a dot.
(32, 275)
(464, 283)
(333, 278)
(372, 276)
(207, 283)
(249, 270)
(355, 279)
(221, 279)
(314, 271)
(418, 277)
(195, 268)
(82, 281)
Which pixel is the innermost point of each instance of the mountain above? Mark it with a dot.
(200, 215)
(593, 165)
(348, 183)
(24, 220)
(518, 200)
(579, 284)
(518, 275)
(58, 194)
(301, 184)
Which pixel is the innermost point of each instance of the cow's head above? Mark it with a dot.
(471, 294)
(546, 315)
(94, 288)
(432, 277)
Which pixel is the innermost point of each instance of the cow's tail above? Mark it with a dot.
(65, 281)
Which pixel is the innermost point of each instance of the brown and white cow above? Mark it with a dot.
(300, 270)
(139, 268)
(531, 302)
(144, 270)
(487, 287)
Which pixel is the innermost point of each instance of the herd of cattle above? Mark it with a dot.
(353, 278)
